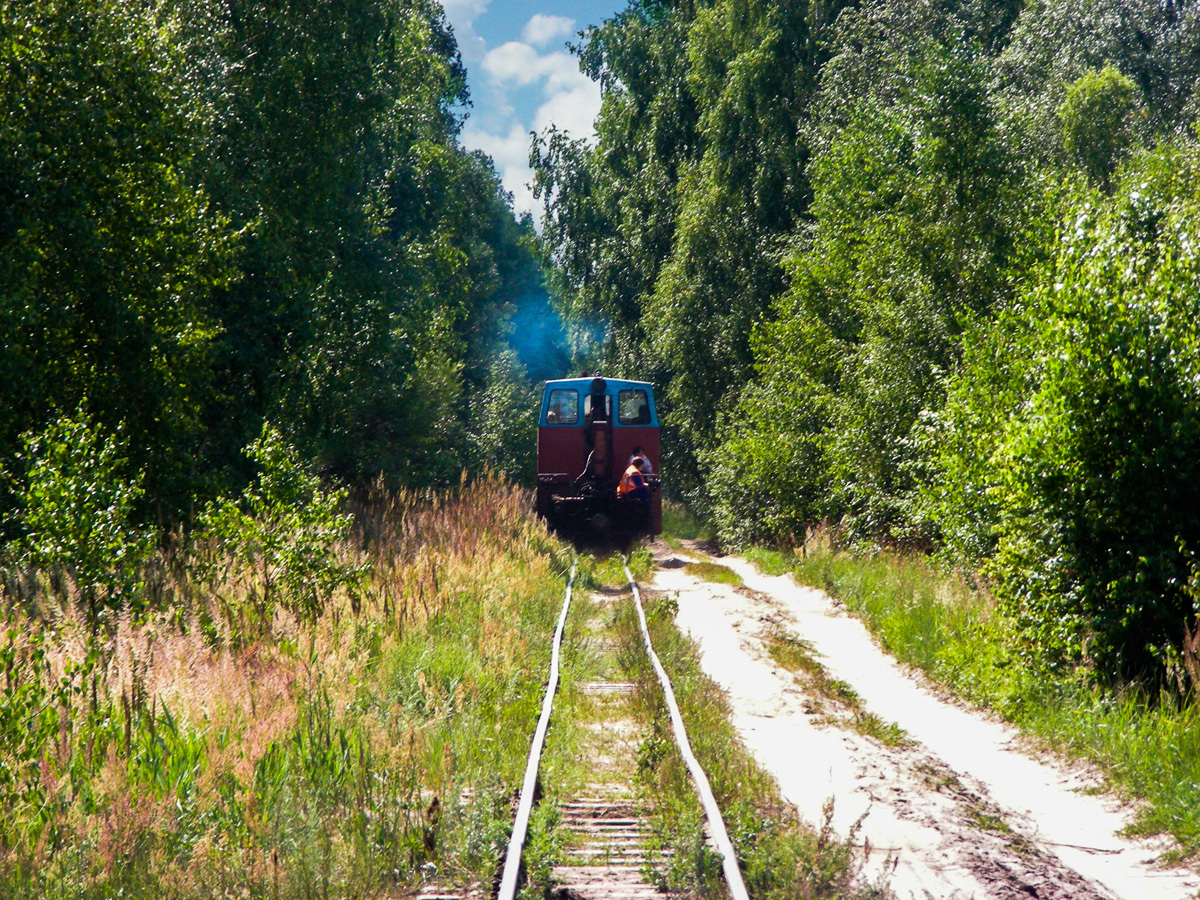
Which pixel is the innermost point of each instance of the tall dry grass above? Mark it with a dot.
(211, 746)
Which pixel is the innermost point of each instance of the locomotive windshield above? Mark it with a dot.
(597, 406)
(563, 408)
(633, 408)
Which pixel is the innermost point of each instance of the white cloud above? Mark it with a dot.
(569, 99)
(515, 62)
(541, 29)
(573, 110)
(461, 14)
(510, 153)
(522, 64)
(507, 150)
(562, 72)
(470, 10)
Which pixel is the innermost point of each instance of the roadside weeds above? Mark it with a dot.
(206, 747)
(796, 655)
(779, 855)
(1147, 746)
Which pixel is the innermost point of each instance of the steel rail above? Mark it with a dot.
(512, 862)
(733, 875)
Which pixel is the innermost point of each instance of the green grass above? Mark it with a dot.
(780, 857)
(607, 569)
(375, 747)
(713, 572)
(1148, 746)
(988, 821)
(796, 655)
(681, 525)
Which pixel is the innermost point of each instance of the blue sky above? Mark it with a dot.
(523, 78)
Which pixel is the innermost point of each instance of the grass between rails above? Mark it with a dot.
(197, 751)
(780, 857)
(607, 569)
(1149, 747)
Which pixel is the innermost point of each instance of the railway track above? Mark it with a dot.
(609, 847)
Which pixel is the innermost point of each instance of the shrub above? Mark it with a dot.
(285, 529)
(766, 478)
(75, 503)
(1092, 433)
(916, 218)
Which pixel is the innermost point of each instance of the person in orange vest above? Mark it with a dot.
(633, 483)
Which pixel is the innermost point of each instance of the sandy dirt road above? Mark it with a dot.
(959, 811)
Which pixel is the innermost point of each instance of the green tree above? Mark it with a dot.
(332, 127)
(285, 529)
(109, 250)
(665, 235)
(1055, 43)
(212, 215)
(379, 257)
(1081, 404)
(1097, 122)
(916, 209)
(610, 209)
(75, 498)
(752, 68)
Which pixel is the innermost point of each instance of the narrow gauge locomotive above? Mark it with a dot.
(588, 431)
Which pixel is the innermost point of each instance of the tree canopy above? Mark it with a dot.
(216, 215)
(918, 271)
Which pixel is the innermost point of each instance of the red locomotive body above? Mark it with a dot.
(589, 429)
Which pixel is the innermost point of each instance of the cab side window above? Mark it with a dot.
(563, 407)
(633, 408)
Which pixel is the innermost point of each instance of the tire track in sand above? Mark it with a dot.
(960, 813)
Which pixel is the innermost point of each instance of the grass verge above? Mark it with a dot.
(780, 857)
(797, 656)
(219, 744)
(680, 525)
(1148, 746)
(713, 572)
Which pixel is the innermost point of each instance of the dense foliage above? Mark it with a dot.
(243, 255)
(355, 740)
(1081, 417)
(76, 505)
(216, 214)
(923, 270)
(668, 231)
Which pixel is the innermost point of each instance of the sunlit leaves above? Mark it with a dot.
(76, 496)
(108, 248)
(913, 204)
(286, 529)
(1068, 451)
(213, 214)
(1097, 122)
